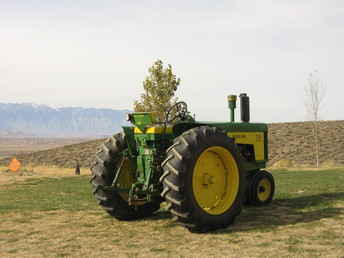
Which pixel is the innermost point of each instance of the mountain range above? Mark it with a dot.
(27, 119)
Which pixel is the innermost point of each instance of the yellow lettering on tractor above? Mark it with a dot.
(254, 138)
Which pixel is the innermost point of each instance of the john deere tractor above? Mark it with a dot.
(205, 171)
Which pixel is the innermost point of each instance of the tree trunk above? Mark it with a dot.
(316, 142)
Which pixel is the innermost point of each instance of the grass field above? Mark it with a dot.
(56, 216)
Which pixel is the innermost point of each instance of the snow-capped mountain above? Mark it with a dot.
(40, 120)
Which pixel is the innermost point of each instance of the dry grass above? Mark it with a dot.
(57, 217)
(93, 234)
(304, 168)
(29, 172)
(293, 143)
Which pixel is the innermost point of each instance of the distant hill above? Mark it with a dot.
(293, 144)
(65, 156)
(25, 120)
(290, 145)
(10, 146)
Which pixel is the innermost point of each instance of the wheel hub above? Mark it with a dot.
(208, 180)
(264, 189)
(261, 189)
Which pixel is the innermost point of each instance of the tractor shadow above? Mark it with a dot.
(160, 215)
(289, 211)
(281, 212)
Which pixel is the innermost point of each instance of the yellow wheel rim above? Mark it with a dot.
(126, 178)
(264, 189)
(215, 180)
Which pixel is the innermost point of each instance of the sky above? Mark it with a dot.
(97, 53)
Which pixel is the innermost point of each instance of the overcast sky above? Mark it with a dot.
(96, 53)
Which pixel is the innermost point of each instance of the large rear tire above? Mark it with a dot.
(203, 180)
(107, 162)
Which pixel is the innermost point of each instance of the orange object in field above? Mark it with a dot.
(14, 165)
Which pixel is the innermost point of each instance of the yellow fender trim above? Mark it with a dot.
(154, 130)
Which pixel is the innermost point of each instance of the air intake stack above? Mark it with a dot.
(232, 105)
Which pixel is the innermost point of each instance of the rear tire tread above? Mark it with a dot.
(103, 174)
(173, 183)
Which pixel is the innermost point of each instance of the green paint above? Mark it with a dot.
(147, 149)
(142, 120)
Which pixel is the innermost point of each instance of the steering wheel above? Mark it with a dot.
(181, 112)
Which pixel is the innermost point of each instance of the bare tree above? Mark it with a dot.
(315, 92)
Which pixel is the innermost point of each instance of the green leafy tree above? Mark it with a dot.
(159, 91)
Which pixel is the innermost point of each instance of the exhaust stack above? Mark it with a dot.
(244, 107)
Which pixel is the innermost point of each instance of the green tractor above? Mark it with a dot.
(205, 171)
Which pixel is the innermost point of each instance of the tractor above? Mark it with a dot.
(204, 171)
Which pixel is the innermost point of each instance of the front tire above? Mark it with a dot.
(261, 189)
(203, 179)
